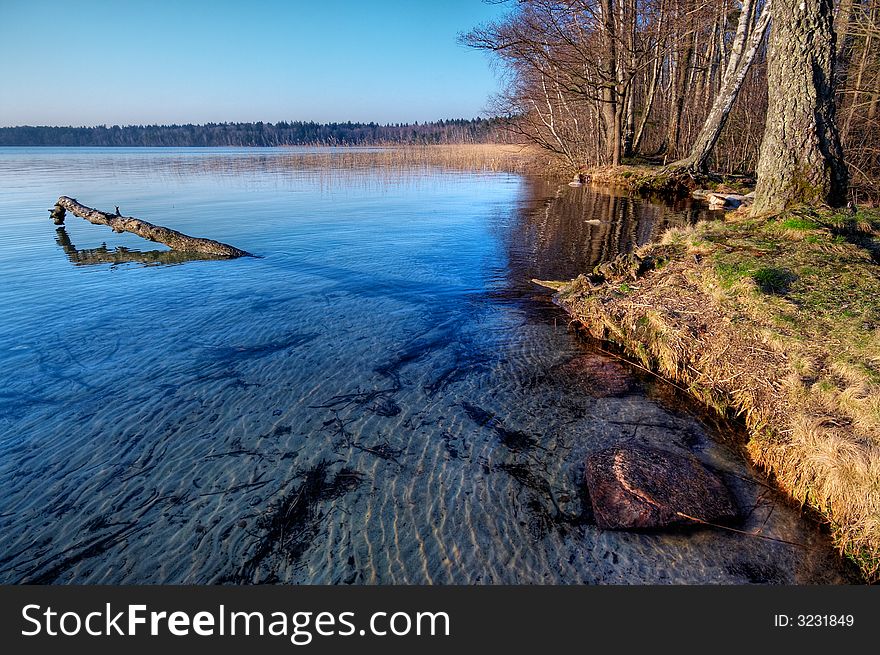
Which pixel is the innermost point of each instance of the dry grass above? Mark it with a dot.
(777, 320)
(639, 179)
(490, 157)
(649, 178)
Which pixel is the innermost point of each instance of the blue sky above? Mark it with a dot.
(159, 61)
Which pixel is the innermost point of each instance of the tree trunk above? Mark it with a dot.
(656, 66)
(844, 41)
(171, 238)
(801, 160)
(873, 25)
(679, 85)
(857, 84)
(628, 22)
(676, 104)
(610, 75)
(629, 126)
(610, 126)
(745, 47)
(649, 103)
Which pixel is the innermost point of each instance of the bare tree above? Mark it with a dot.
(858, 77)
(573, 64)
(750, 31)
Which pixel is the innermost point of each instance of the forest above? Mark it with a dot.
(689, 82)
(259, 134)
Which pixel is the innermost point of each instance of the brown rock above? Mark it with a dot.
(600, 376)
(639, 488)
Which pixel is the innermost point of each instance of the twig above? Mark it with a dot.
(742, 532)
(642, 368)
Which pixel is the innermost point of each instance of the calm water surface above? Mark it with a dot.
(380, 397)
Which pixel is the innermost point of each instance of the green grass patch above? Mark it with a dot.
(800, 223)
(826, 285)
(774, 280)
(729, 273)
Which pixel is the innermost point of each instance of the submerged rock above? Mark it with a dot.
(638, 488)
(598, 375)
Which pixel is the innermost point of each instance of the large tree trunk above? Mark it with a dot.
(801, 160)
(745, 46)
(609, 71)
(171, 238)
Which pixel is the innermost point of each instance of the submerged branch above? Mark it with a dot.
(171, 238)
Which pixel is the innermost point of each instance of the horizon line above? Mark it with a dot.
(260, 122)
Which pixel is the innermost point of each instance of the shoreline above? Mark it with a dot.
(774, 320)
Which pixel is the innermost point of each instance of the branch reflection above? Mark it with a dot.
(122, 255)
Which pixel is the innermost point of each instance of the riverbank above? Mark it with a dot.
(648, 178)
(777, 321)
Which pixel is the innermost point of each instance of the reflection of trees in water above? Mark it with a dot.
(122, 255)
(555, 234)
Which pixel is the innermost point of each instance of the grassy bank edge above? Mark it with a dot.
(774, 319)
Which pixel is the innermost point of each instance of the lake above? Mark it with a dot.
(380, 396)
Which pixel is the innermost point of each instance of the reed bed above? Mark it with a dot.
(332, 167)
(489, 157)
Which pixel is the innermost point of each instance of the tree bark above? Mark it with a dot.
(649, 102)
(609, 71)
(683, 60)
(171, 238)
(801, 160)
(628, 22)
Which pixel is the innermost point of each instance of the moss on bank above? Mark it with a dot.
(778, 321)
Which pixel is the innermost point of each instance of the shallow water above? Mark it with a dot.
(381, 397)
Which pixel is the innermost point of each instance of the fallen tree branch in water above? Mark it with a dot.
(171, 238)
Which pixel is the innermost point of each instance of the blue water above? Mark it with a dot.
(380, 396)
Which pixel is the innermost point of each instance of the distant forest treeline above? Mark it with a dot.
(297, 133)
